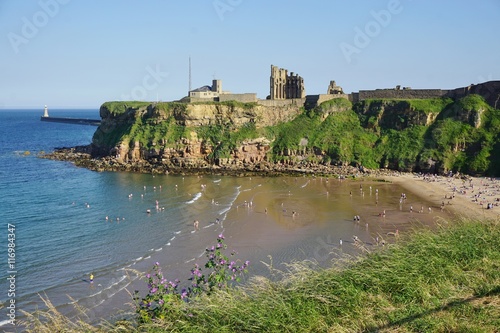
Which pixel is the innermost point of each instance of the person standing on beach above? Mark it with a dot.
(91, 278)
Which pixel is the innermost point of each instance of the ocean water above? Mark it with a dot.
(71, 222)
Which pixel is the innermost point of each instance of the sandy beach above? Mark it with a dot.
(295, 224)
(461, 197)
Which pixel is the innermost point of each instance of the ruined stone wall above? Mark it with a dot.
(284, 86)
(326, 97)
(400, 94)
(277, 82)
(314, 100)
(489, 90)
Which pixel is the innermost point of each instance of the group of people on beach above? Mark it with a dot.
(486, 193)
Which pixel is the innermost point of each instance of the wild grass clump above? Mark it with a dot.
(119, 107)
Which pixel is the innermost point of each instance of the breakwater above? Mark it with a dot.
(67, 120)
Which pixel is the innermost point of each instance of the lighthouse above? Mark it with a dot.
(45, 112)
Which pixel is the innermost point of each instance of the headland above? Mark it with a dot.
(215, 131)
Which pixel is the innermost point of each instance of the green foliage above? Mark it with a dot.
(148, 130)
(117, 108)
(164, 299)
(111, 137)
(336, 104)
(400, 149)
(224, 139)
(344, 140)
(473, 102)
(290, 134)
(246, 132)
(430, 105)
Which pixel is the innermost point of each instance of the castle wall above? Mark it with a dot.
(353, 97)
(314, 100)
(244, 98)
(399, 94)
(281, 102)
(195, 99)
(489, 90)
(326, 97)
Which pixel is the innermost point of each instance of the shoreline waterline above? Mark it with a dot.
(260, 225)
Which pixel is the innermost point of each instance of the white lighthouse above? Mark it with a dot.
(45, 112)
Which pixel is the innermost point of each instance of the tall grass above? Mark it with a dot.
(444, 280)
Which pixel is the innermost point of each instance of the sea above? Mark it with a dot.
(62, 223)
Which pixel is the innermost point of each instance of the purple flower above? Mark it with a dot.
(161, 302)
(157, 263)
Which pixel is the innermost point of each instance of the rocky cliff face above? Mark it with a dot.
(395, 114)
(220, 114)
(114, 136)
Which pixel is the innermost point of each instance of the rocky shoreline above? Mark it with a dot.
(81, 156)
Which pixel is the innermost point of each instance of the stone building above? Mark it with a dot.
(334, 89)
(284, 86)
(208, 92)
(216, 94)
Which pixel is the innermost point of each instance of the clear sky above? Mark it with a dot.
(81, 53)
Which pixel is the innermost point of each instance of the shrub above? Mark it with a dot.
(164, 298)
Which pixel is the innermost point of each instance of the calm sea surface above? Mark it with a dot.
(70, 222)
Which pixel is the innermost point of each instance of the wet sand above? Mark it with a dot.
(309, 217)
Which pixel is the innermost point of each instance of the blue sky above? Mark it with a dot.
(79, 54)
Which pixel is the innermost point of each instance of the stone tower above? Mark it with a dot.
(284, 86)
(217, 86)
(334, 89)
